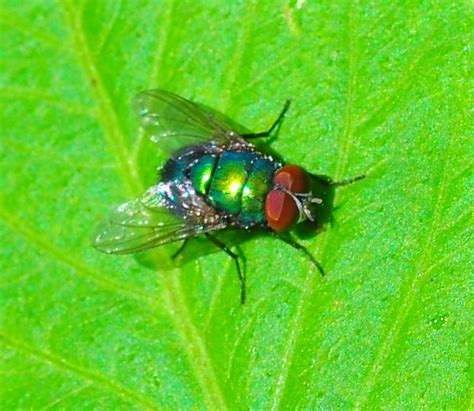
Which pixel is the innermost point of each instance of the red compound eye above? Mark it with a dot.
(293, 178)
(280, 210)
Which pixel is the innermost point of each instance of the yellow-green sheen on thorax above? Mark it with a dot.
(235, 183)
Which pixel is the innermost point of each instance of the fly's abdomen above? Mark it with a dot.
(201, 173)
(230, 176)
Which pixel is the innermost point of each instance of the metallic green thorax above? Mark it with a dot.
(235, 182)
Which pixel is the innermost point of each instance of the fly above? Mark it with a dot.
(214, 179)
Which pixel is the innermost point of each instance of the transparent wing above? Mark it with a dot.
(176, 122)
(145, 223)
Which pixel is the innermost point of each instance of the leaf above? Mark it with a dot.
(378, 88)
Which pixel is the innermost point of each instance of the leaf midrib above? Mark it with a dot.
(199, 358)
(106, 114)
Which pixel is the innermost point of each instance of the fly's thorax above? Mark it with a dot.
(255, 190)
(234, 183)
(233, 180)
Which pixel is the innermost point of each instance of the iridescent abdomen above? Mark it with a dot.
(232, 182)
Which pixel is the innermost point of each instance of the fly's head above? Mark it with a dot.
(290, 201)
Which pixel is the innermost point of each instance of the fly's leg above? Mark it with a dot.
(330, 183)
(302, 249)
(180, 249)
(235, 257)
(275, 123)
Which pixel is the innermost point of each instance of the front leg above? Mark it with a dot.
(328, 182)
(275, 123)
(302, 249)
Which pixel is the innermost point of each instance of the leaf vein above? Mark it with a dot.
(107, 115)
(104, 382)
(26, 28)
(109, 27)
(347, 141)
(401, 313)
(198, 355)
(155, 71)
(44, 244)
(44, 97)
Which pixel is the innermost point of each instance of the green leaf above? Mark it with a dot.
(380, 88)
